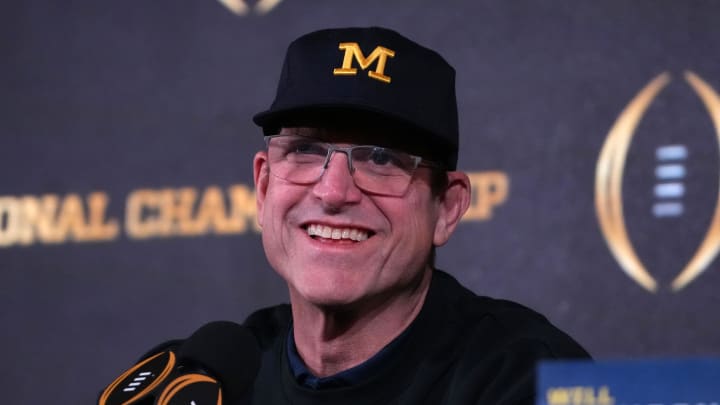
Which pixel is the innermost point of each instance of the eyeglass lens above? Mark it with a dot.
(375, 169)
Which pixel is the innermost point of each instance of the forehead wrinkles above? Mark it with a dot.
(305, 131)
(377, 137)
(331, 134)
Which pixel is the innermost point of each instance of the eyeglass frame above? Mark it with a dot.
(418, 161)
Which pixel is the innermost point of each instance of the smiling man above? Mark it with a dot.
(355, 190)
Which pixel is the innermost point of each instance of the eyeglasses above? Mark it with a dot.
(377, 170)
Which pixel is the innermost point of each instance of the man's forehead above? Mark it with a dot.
(374, 136)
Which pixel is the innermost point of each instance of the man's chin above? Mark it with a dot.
(330, 299)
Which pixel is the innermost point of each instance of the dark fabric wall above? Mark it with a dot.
(126, 205)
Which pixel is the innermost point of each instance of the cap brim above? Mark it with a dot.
(337, 114)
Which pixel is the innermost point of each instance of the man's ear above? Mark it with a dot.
(261, 173)
(453, 203)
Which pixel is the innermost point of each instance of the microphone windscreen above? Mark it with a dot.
(227, 351)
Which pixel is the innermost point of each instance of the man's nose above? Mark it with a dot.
(336, 186)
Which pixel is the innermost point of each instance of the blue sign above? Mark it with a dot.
(629, 382)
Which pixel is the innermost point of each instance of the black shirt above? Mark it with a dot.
(345, 378)
(461, 349)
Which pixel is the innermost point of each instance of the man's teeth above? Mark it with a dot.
(337, 233)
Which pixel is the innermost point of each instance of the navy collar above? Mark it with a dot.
(344, 378)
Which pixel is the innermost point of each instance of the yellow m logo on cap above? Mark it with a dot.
(353, 52)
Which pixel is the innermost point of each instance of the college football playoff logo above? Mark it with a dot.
(241, 7)
(609, 176)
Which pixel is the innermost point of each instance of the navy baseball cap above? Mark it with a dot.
(359, 74)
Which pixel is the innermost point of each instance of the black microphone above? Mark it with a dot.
(216, 365)
(219, 363)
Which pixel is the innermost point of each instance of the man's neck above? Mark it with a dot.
(331, 340)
